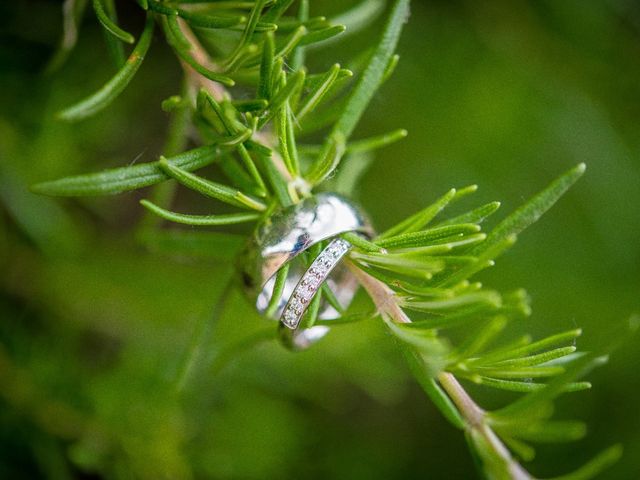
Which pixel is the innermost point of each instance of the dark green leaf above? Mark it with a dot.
(110, 91)
(366, 86)
(109, 25)
(211, 189)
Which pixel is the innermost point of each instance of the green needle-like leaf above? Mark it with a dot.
(278, 289)
(361, 243)
(114, 44)
(366, 86)
(418, 220)
(391, 68)
(118, 180)
(211, 189)
(478, 299)
(331, 153)
(210, 21)
(477, 215)
(525, 387)
(523, 350)
(485, 259)
(110, 91)
(532, 210)
(287, 140)
(428, 237)
(294, 82)
(596, 466)
(292, 41)
(521, 372)
(72, 13)
(109, 25)
(202, 220)
(299, 54)
(318, 92)
(265, 87)
(316, 37)
(276, 10)
(550, 432)
(232, 127)
(247, 33)
(536, 359)
(360, 16)
(532, 401)
(377, 142)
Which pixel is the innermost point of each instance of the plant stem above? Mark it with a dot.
(386, 302)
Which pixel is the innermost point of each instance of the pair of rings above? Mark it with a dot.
(286, 239)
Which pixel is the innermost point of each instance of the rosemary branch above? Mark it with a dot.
(386, 302)
(422, 264)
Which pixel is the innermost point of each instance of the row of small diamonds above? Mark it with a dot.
(312, 280)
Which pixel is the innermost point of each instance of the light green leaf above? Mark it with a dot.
(533, 401)
(420, 219)
(474, 216)
(317, 37)
(321, 88)
(294, 82)
(377, 142)
(532, 210)
(536, 359)
(428, 237)
(523, 386)
(522, 350)
(118, 180)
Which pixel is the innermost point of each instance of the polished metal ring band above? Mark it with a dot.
(280, 240)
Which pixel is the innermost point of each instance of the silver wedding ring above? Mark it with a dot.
(285, 239)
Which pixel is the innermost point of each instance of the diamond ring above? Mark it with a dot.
(282, 243)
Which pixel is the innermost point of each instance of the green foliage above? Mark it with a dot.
(103, 97)
(423, 268)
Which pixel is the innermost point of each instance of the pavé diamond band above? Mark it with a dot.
(312, 281)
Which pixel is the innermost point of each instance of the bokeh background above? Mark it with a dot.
(95, 327)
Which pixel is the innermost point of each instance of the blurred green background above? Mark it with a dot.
(95, 328)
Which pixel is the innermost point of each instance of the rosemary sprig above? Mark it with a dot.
(423, 267)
